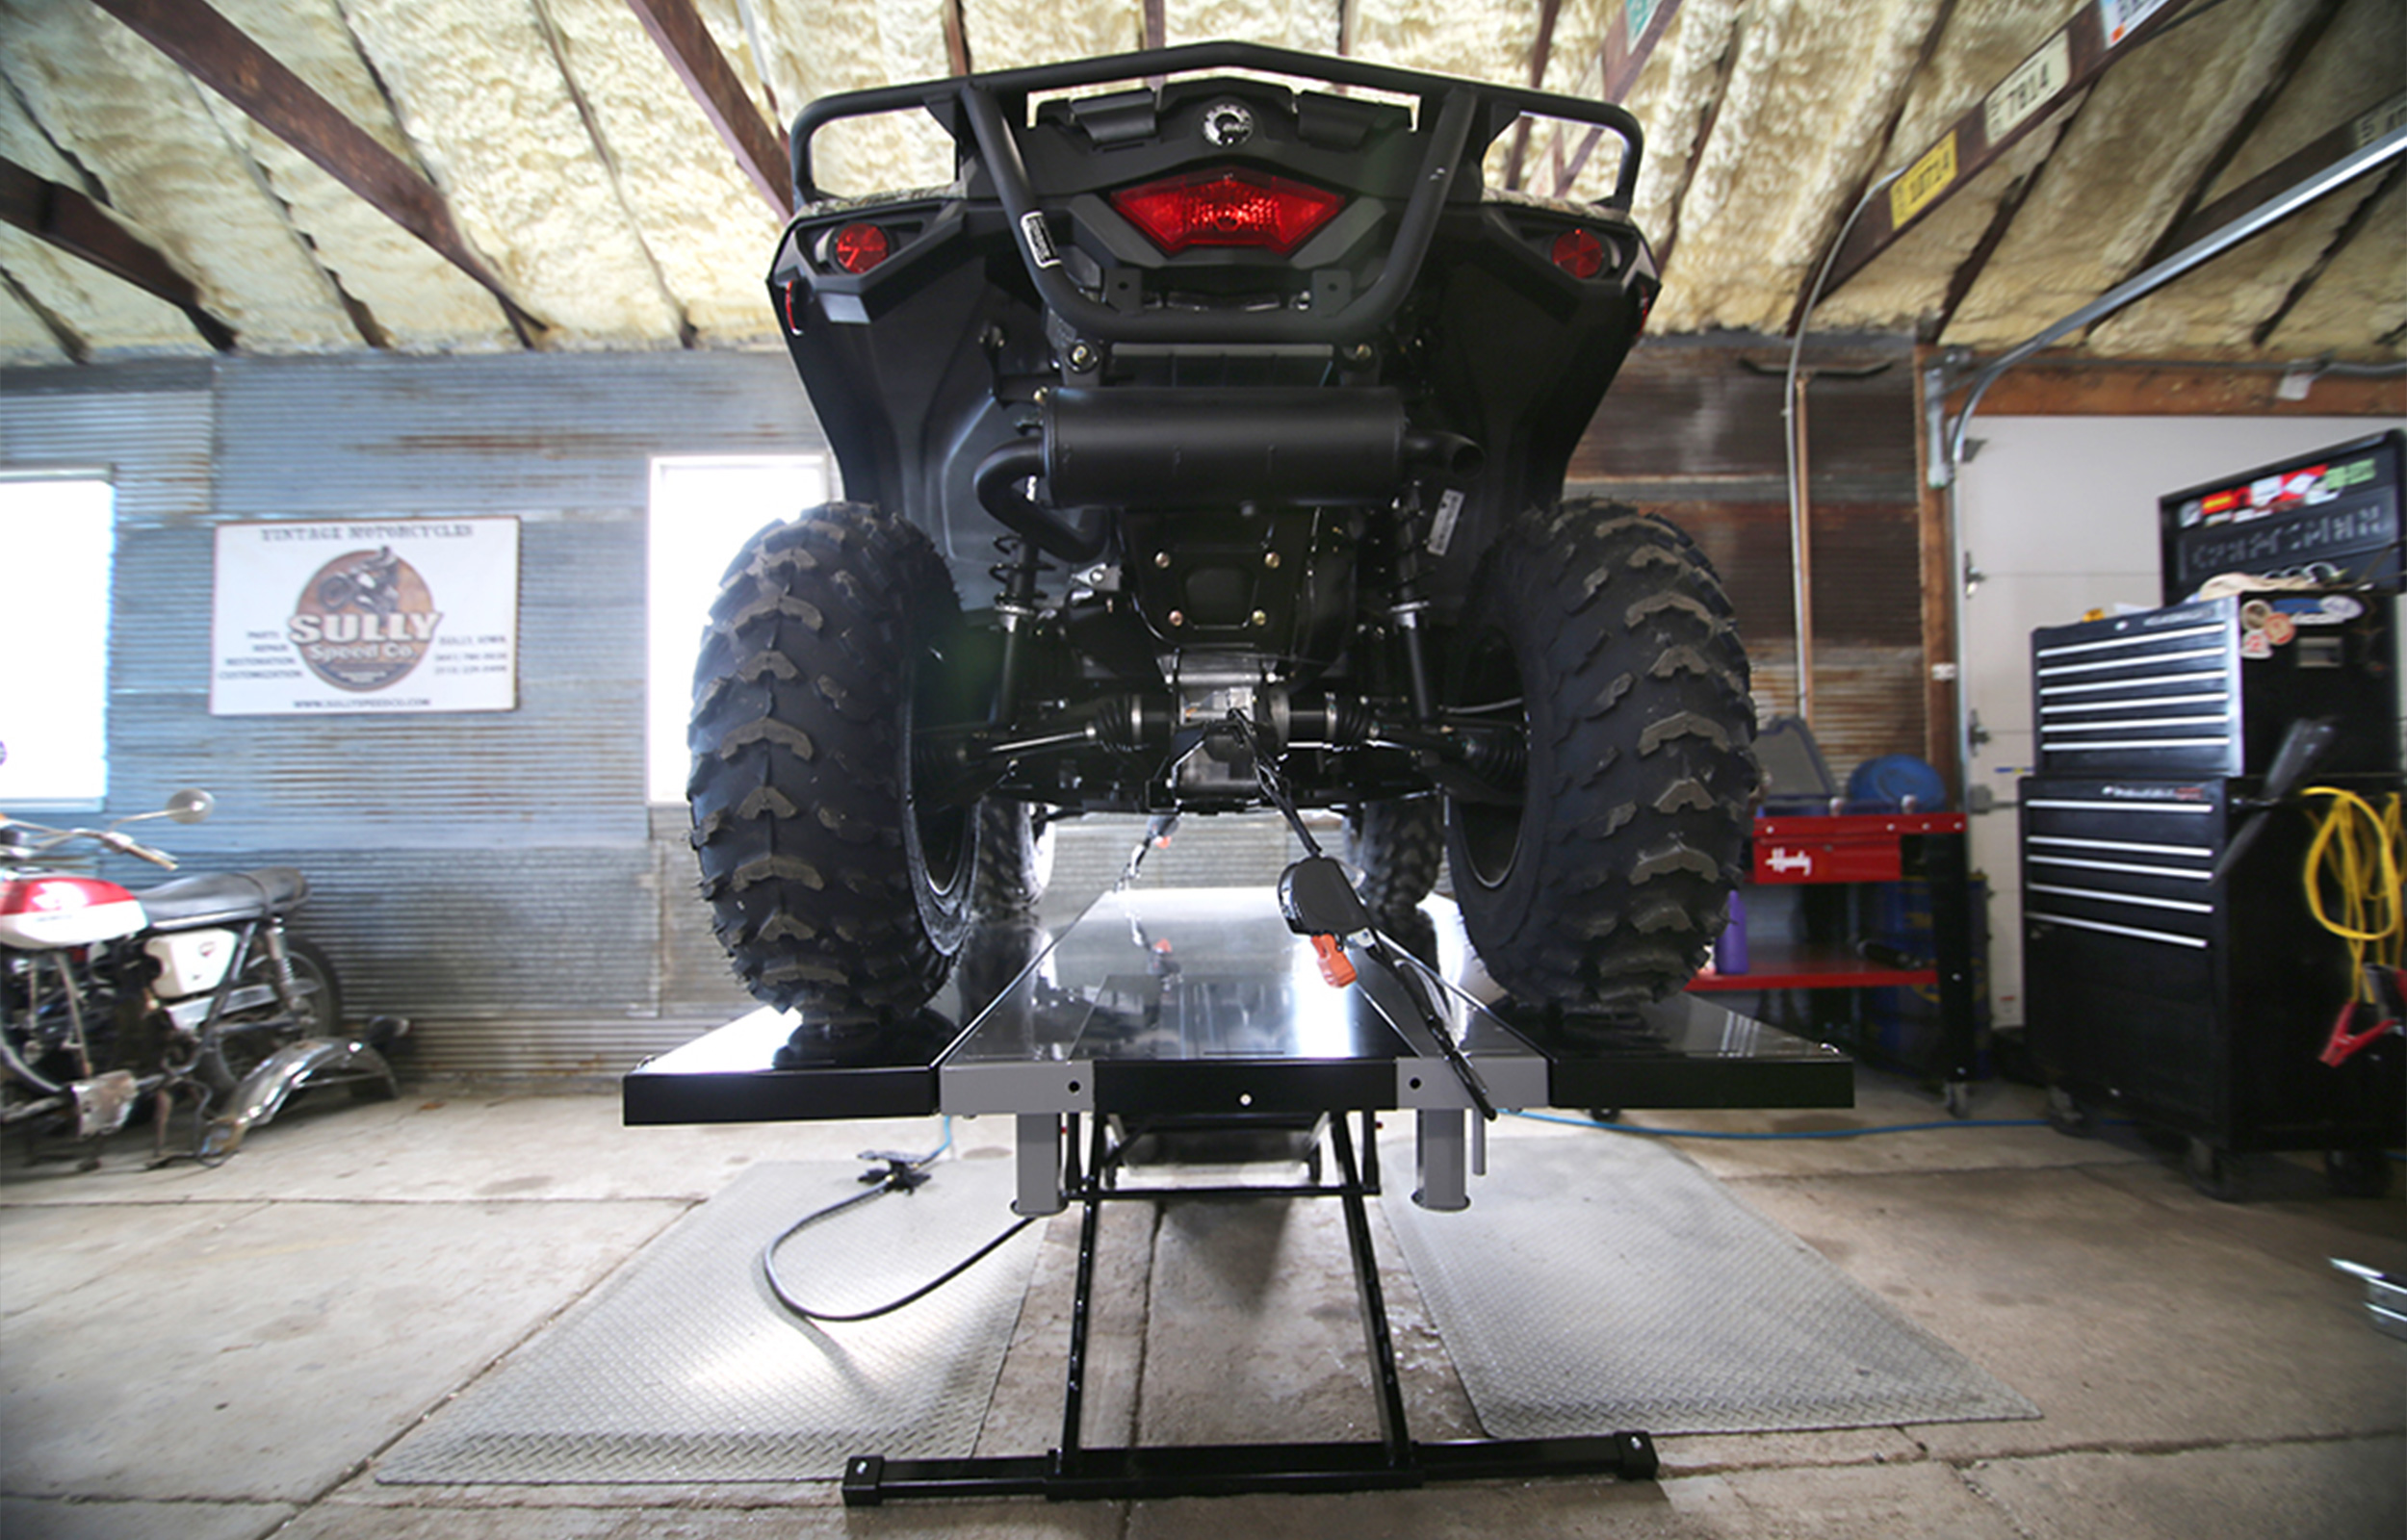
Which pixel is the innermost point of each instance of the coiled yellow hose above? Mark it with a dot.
(2356, 856)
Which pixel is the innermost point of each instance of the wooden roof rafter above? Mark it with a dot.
(225, 58)
(758, 144)
(71, 220)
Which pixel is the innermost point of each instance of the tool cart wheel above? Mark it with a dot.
(2357, 1171)
(2213, 1172)
(2068, 1117)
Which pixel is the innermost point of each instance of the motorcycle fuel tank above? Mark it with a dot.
(41, 913)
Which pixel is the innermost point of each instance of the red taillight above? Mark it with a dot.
(1579, 253)
(859, 248)
(1227, 208)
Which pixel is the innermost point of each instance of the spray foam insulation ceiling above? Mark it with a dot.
(592, 203)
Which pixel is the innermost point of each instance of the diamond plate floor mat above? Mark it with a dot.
(1607, 1283)
(681, 1366)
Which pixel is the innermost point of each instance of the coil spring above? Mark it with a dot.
(1017, 574)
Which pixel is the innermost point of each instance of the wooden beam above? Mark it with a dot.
(2243, 129)
(2325, 149)
(956, 38)
(1935, 541)
(1622, 61)
(2001, 219)
(1540, 51)
(2029, 96)
(2349, 231)
(1931, 35)
(2084, 387)
(75, 224)
(222, 57)
(758, 144)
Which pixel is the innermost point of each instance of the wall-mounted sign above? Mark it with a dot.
(365, 615)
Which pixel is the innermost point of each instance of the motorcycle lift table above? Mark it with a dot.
(1196, 1012)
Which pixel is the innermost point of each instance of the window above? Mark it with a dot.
(60, 536)
(703, 510)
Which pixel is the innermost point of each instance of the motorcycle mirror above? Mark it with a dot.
(191, 806)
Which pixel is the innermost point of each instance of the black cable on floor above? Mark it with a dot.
(903, 1174)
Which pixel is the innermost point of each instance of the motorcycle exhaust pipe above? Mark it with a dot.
(1172, 447)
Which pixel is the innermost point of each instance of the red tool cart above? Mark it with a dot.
(1810, 924)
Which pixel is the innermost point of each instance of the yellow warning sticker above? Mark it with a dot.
(1924, 181)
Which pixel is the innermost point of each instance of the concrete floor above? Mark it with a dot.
(227, 1353)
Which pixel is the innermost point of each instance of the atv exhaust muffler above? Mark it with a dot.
(1168, 448)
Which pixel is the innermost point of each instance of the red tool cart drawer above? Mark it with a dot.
(1841, 848)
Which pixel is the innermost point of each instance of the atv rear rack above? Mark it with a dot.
(1452, 113)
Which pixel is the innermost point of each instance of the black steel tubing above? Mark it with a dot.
(1394, 1434)
(938, 95)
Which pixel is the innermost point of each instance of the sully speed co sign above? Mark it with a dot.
(365, 615)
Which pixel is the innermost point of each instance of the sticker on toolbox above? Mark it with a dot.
(2255, 645)
(2328, 609)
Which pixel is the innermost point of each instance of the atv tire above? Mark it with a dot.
(1398, 845)
(834, 891)
(1600, 887)
(1015, 859)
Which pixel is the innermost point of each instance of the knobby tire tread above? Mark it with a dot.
(1640, 762)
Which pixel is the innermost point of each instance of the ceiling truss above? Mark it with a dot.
(2042, 94)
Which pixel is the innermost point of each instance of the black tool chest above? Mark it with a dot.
(2167, 979)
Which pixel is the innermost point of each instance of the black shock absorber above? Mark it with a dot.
(1019, 603)
(1409, 606)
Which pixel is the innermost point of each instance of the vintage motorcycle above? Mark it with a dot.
(193, 989)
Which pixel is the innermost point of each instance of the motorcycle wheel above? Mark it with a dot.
(1600, 884)
(237, 1048)
(832, 887)
(1398, 845)
(1015, 858)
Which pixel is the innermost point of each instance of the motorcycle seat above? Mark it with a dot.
(222, 898)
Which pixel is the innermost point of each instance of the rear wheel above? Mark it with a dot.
(1599, 882)
(834, 888)
(238, 1048)
(1398, 845)
(1015, 858)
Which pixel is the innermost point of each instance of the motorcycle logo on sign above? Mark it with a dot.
(340, 615)
(364, 620)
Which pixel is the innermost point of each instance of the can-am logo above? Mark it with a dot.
(364, 620)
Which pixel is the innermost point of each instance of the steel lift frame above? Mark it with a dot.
(1200, 1010)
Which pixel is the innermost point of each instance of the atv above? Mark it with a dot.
(1241, 411)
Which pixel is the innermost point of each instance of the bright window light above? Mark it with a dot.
(60, 535)
(703, 510)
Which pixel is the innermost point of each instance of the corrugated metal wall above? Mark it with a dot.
(496, 875)
(492, 875)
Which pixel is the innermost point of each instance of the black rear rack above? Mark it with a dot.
(1451, 109)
